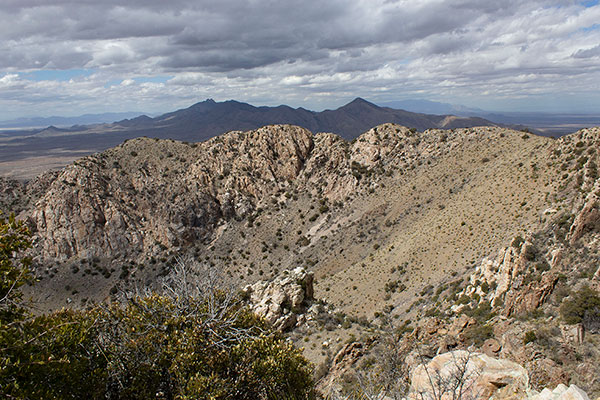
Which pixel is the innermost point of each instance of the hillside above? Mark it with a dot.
(415, 226)
(392, 187)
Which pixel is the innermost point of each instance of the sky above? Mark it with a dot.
(71, 57)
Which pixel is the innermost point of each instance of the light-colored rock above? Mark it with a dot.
(573, 334)
(505, 273)
(460, 374)
(282, 300)
(499, 271)
(587, 220)
(460, 324)
(561, 392)
(491, 347)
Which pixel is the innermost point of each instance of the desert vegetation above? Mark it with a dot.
(190, 340)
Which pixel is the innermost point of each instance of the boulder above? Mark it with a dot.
(283, 299)
(561, 392)
(460, 374)
(491, 347)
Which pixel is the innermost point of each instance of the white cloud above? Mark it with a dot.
(314, 54)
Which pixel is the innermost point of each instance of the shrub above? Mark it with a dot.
(478, 333)
(482, 312)
(193, 340)
(150, 346)
(530, 336)
(14, 268)
(581, 306)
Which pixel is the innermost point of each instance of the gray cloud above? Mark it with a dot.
(588, 53)
(310, 53)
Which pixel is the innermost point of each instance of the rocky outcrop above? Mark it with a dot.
(561, 392)
(506, 280)
(460, 374)
(494, 276)
(588, 219)
(284, 301)
(148, 195)
(528, 298)
(342, 364)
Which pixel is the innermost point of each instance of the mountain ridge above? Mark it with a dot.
(200, 122)
(467, 238)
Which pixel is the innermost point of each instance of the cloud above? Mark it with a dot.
(588, 53)
(312, 53)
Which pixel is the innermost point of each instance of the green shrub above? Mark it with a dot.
(583, 303)
(478, 333)
(149, 346)
(482, 312)
(14, 268)
(530, 336)
(185, 343)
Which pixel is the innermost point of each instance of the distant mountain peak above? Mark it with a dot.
(361, 101)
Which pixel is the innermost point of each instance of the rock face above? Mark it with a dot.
(146, 195)
(283, 301)
(343, 362)
(460, 374)
(561, 392)
(529, 297)
(588, 219)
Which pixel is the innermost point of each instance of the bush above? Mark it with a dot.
(478, 333)
(191, 341)
(530, 336)
(581, 306)
(14, 268)
(150, 346)
(482, 312)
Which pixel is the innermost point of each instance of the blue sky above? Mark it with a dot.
(68, 58)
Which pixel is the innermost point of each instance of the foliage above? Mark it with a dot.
(148, 348)
(51, 357)
(581, 306)
(530, 336)
(482, 313)
(478, 333)
(14, 268)
(190, 341)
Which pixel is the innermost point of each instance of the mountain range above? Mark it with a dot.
(87, 119)
(209, 118)
(52, 146)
